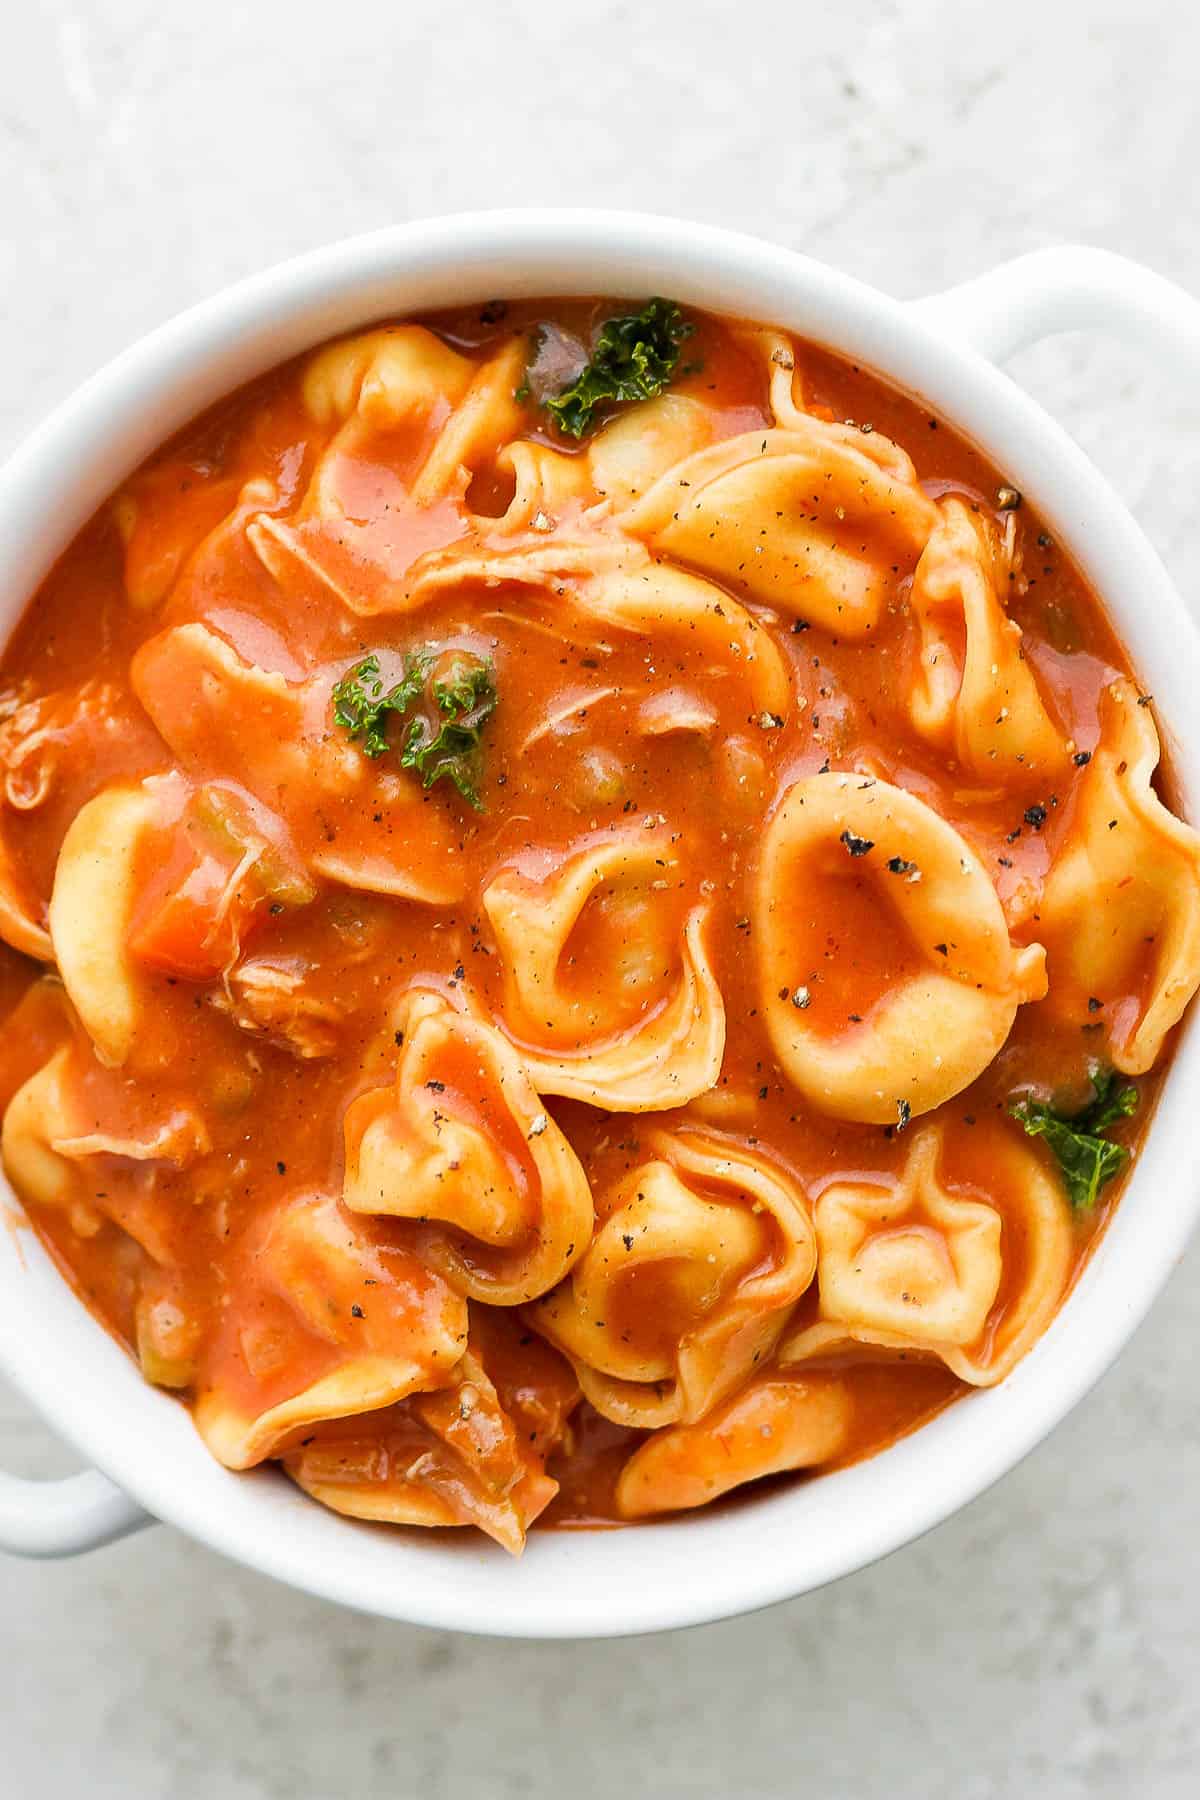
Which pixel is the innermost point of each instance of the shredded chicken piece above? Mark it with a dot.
(268, 999)
(33, 732)
(524, 622)
(675, 709)
(562, 715)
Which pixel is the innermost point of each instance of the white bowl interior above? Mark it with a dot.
(795, 1538)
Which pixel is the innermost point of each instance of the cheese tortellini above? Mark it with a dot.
(650, 1031)
(975, 695)
(387, 380)
(57, 751)
(1120, 906)
(628, 456)
(847, 519)
(777, 1423)
(462, 1147)
(415, 419)
(969, 1271)
(722, 1240)
(332, 1320)
(872, 1024)
(470, 1453)
(59, 1155)
(96, 887)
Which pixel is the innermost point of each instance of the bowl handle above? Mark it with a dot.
(1072, 287)
(62, 1518)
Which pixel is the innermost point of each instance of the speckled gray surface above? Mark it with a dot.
(1047, 1641)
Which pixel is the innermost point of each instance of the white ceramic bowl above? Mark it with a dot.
(649, 1577)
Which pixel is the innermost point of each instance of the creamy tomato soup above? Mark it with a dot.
(591, 916)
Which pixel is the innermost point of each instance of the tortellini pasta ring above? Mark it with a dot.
(332, 1320)
(37, 1171)
(975, 694)
(546, 484)
(461, 411)
(51, 1136)
(703, 1250)
(817, 520)
(971, 1273)
(467, 1453)
(627, 457)
(1120, 906)
(366, 1384)
(96, 885)
(384, 376)
(670, 1051)
(937, 1012)
(777, 1423)
(462, 1144)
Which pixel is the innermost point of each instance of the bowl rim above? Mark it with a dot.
(703, 1567)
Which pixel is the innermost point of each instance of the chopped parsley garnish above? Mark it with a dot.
(361, 705)
(464, 692)
(633, 358)
(444, 699)
(1086, 1159)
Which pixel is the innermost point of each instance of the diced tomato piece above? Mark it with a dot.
(186, 935)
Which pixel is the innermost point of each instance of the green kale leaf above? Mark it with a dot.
(442, 701)
(1086, 1159)
(361, 706)
(633, 358)
(1111, 1102)
(463, 691)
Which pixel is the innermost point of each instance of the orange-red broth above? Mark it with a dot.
(275, 1121)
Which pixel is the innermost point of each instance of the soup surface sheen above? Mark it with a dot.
(574, 951)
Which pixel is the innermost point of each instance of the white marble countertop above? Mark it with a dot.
(1045, 1642)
